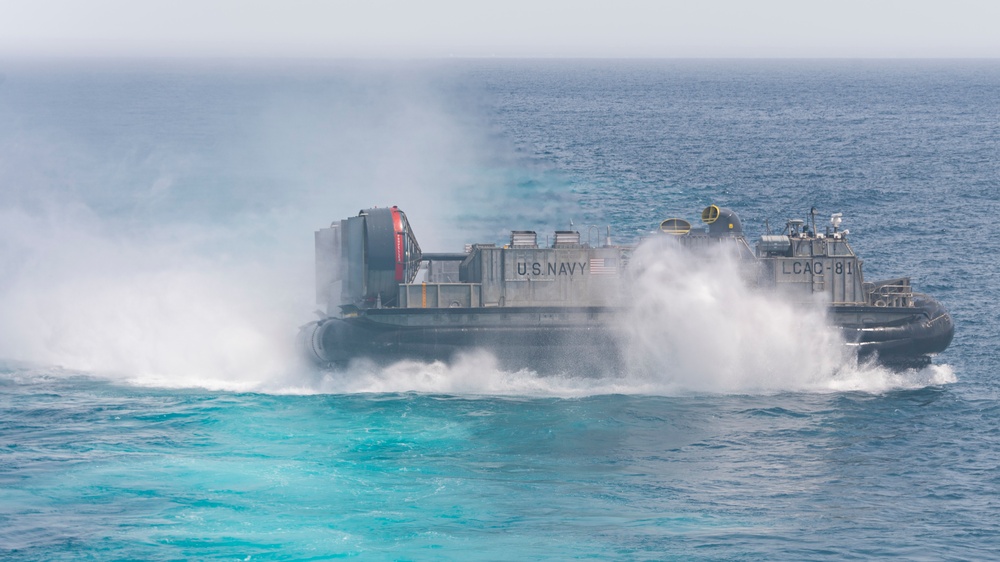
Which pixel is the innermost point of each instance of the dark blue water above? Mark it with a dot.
(155, 234)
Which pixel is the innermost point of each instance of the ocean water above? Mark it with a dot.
(156, 225)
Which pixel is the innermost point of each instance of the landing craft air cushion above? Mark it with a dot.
(558, 308)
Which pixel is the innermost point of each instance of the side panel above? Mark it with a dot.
(439, 295)
(353, 263)
(491, 276)
(328, 266)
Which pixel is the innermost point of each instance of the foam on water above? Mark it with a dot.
(473, 373)
(477, 374)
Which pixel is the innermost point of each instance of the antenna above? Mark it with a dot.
(835, 220)
(813, 212)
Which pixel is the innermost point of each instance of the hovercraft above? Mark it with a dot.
(554, 307)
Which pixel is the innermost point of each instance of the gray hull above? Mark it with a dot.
(550, 339)
(904, 336)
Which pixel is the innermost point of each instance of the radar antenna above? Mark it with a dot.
(835, 220)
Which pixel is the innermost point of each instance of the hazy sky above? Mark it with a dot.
(503, 28)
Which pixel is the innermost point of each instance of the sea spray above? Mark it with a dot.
(697, 323)
(142, 306)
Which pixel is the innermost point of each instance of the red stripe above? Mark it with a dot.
(397, 223)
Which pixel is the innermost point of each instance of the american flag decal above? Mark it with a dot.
(603, 266)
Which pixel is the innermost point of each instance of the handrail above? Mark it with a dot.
(891, 293)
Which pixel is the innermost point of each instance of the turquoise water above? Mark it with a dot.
(156, 224)
(110, 472)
